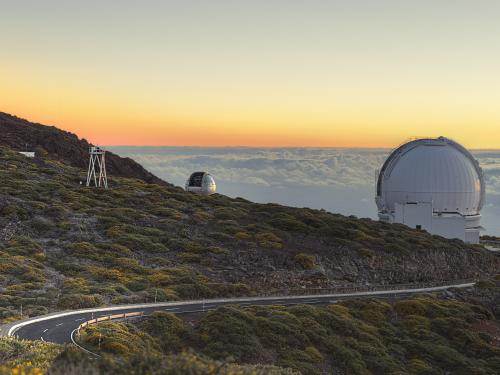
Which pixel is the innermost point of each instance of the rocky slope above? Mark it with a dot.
(64, 246)
(22, 135)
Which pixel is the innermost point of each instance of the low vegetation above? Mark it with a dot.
(35, 358)
(422, 335)
(65, 246)
(32, 357)
(454, 332)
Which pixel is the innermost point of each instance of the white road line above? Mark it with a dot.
(41, 338)
(257, 300)
(79, 346)
(45, 330)
(172, 308)
(190, 311)
(79, 320)
(60, 324)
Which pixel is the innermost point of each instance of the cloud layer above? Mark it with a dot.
(340, 180)
(265, 167)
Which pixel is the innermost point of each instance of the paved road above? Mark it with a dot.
(58, 327)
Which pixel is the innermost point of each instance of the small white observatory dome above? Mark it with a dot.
(201, 183)
(429, 179)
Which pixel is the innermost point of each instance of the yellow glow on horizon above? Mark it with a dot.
(287, 74)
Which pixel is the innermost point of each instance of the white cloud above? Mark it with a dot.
(340, 180)
(268, 167)
(283, 167)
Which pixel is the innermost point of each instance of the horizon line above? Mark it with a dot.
(281, 147)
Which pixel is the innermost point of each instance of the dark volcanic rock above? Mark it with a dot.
(22, 135)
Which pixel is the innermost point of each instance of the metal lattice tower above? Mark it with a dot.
(97, 161)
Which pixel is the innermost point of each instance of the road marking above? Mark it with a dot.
(60, 324)
(172, 308)
(256, 301)
(79, 320)
(41, 338)
(45, 330)
(79, 346)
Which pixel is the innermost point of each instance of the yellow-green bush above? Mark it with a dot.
(308, 262)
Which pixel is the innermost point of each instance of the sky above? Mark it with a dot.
(357, 73)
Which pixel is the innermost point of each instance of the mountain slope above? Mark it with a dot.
(64, 246)
(23, 135)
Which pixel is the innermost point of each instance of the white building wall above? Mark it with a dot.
(415, 215)
(472, 235)
(448, 225)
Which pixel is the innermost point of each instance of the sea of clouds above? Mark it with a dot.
(338, 180)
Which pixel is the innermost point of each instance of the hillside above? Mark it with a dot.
(451, 332)
(22, 135)
(64, 246)
(421, 335)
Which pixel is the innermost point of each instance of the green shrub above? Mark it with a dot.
(268, 239)
(79, 301)
(307, 262)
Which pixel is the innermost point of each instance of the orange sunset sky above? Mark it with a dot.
(257, 73)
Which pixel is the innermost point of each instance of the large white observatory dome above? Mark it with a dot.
(438, 173)
(201, 183)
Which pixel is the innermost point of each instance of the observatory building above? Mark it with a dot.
(201, 183)
(432, 184)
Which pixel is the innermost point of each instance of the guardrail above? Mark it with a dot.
(106, 318)
(363, 288)
(288, 293)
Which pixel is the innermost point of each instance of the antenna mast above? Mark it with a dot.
(97, 161)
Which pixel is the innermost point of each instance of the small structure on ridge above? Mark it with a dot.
(97, 168)
(201, 183)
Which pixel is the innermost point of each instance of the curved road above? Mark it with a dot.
(58, 327)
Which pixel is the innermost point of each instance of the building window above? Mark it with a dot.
(419, 227)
